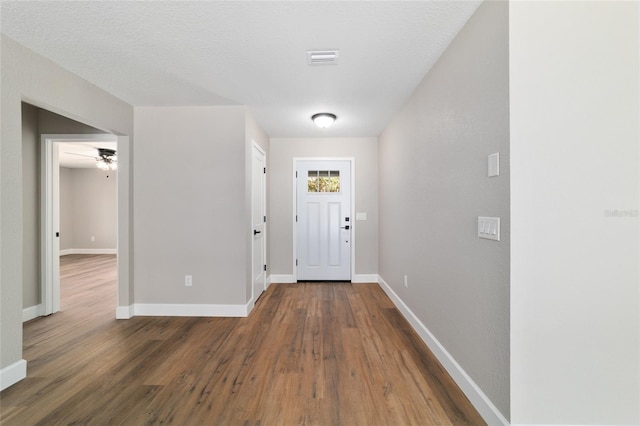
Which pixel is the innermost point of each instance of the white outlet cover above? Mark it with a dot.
(361, 215)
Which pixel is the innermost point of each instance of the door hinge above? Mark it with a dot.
(296, 262)
(265, 219)
(296, 218)
(296, 174)
(265, 267)
(265, 170)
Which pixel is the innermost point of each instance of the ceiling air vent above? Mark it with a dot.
(323, 57)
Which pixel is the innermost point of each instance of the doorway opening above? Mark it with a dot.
(323, 229)
(94, 228)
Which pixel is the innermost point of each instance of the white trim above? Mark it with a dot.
(364, 278)
(50, 286)
(89, 251)
(12, 374)
(480, 401)
(32, 312)
(188, 310)
(282, 279)
(50, 225)
(124, 312)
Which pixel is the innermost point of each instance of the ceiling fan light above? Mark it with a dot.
(102, 165)
(106, 159)
(323, 119)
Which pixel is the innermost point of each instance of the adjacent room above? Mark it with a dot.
(322, 212)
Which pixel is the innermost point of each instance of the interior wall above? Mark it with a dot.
(66, 208)
(434, 185)
(283, 151)
(92, 208)
(575, 190)
(190, 215)
(30, 206)
(26, 76)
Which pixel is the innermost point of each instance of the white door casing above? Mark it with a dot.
(50, 219)
(324, 224)
(258, 218)
(50, 249)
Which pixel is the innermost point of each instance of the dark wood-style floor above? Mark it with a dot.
(325, 354)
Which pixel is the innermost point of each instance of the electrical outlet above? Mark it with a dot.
(406, 282)
(188, 280)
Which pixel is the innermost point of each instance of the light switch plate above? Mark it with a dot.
(493, 164)
(361, 216)
(489, 228)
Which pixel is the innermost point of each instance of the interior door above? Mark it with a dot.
(323, 206)
(258, 219)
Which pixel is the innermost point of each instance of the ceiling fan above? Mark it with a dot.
(106, 159)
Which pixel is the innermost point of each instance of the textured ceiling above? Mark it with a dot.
(153, 53)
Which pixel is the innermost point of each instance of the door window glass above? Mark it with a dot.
(323, 181)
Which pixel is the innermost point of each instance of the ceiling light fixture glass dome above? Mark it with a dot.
(323, 119)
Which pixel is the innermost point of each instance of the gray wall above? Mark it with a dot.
(29, 77)
(365, 152)
(88, 209)
(190, 210)
(30, 206)
(434, 185)
(66, 208)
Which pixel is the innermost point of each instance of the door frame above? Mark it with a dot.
(254, 145)
(50, 217)
(352, 162)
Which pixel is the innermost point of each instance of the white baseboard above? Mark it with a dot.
(124, 312)
(281, 279)
(31, 312)
(364, 278)
(187, 310)
(480, 401)
(88, 251)
(288, 279)
(12, 374)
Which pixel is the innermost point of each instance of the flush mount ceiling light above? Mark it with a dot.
(106, 159)
(323, 119)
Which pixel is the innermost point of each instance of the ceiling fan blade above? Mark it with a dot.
(82, 155)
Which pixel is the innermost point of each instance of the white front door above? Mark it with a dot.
(323, 205)
(258, 218)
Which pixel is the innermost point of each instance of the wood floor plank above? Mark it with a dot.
(309, 354)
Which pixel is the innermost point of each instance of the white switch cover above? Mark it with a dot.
(494, 165)
(489, 228)
(361, 216)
